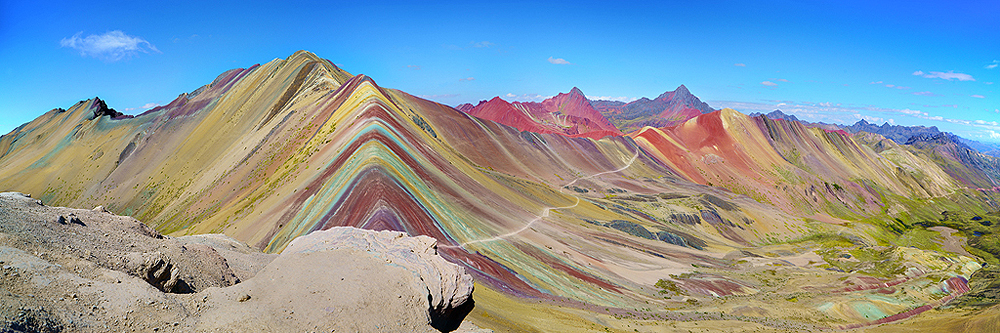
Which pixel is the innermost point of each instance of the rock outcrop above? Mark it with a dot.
(64, 269)
(120, 243)
(449, 288)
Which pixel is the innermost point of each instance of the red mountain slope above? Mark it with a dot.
(569, 114)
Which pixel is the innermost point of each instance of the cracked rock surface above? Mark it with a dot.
(77, 270)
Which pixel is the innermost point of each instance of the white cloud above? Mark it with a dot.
(994, 135)
(526, 97)
(769, 84)
(870, 119)
(925, 93)
(950, 75)
(780, 80)
(993, 65)
(740, 64)
(612, 98)
(559, 61)
(978, 96)
(481, 44)
(146, 106)
(413, 67)
(111, 46)
(468, 79)
(889, 85)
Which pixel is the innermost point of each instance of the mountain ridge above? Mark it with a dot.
(667, 109)
(542, 221)
(569, 114)
(897, 133)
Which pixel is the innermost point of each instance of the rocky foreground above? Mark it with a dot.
(64, 269)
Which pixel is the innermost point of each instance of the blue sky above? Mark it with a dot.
(918, 63)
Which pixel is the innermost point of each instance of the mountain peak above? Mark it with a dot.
(897, 133)
(778, 114)
(681, 93)
(669, 108)
(101, 109)
(569, 114)
(304, 54)
(681, 90)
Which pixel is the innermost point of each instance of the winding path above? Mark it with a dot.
(545, 211)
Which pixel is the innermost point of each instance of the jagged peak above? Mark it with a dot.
(101, 109)
(681, 90)
(778, 114)
(496, 99)
(681, 93)
(465, 107)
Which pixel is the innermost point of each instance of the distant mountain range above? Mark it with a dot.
(568, 114)
(908, 134)
(572, 114)
(897, 133)
(988, 148)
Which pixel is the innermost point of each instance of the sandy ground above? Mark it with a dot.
(951, 242)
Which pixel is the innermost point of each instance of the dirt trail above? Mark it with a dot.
(951, 242)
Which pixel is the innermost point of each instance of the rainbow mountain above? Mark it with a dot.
(566, 223)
